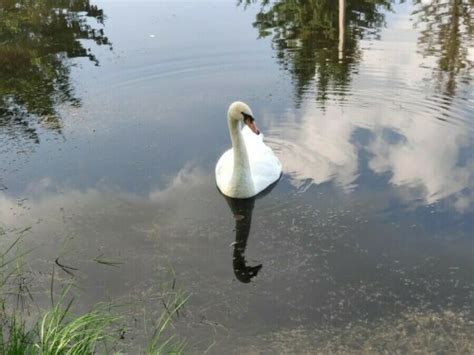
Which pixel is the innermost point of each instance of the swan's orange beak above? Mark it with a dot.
(250, 122)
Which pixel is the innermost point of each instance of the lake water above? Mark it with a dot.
(112, 119)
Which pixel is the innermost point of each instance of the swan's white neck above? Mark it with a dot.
(241, 182)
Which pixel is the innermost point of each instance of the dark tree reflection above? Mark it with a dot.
(38, 37)
(446, 34)
(305, 36)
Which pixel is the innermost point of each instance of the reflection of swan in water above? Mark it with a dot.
(242, 210)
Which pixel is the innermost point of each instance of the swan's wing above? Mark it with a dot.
(265, 166)
(266, 169)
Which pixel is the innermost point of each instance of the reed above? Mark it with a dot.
(60, 332)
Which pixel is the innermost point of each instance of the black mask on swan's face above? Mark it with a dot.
(250, 122)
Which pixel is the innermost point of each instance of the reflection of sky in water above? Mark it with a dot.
(428, 159)
(346, 261)
(165, 96)
(418, 153)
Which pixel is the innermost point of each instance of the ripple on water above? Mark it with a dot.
(379, 91)
(204, 65)
(318, 142)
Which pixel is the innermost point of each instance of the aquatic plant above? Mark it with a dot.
(173, 304)
(60, 332)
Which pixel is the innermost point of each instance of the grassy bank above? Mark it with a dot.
(59, 329)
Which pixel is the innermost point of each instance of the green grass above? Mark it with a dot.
(174, 302)
(60, 331)
(15, 339)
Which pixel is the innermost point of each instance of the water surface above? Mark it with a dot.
(112, 120)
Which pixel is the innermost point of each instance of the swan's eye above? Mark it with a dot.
(247, 117)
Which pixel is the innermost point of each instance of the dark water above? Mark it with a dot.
(113, 115)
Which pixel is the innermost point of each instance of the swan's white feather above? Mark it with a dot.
(264, 165)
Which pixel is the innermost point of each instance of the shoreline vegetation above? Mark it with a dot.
(59, 329)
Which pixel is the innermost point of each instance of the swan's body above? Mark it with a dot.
(250, 166)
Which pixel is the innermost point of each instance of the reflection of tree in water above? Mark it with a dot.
(446, 35)
(37, 38)
(306, 38)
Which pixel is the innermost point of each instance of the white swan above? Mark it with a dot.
(250, 166)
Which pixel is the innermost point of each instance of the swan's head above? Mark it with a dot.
(240, 111)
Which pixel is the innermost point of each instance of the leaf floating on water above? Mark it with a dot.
(65, 268)
(107, 262)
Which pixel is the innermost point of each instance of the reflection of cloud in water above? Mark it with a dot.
(426, 158)
(188, 178)
(46, 210)
(47, 201)
(420, 153)
(318, 149)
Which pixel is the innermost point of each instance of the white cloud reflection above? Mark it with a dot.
(419, 138)
(421, 154)
(318, 149)
(48, 201)
(426, 158)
